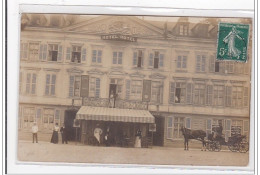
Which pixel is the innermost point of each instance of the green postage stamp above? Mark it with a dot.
(232, 42)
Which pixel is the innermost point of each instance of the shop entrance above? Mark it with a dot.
(68, 122)
(159, 134)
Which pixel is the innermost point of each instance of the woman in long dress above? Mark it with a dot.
(54, 138)
(138, 138)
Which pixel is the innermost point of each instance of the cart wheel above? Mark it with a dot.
(234, 147)
(243, 147)
(217, 146)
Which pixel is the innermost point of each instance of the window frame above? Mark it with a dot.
(51, 49)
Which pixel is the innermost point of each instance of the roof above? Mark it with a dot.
(114, 114)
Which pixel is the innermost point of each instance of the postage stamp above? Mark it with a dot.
(232, 42)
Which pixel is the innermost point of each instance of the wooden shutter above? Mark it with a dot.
(68, 54)
(161, 60)
(189, 93)
(84, 55)
(171, 93)
(71, 86)
(48, 80)
(198, 62)
(246, 99)
(212, 64)
(135, 59)
(203, 63)
(147, 90)
(142, 58)
(150, 60)
(209, 98)
(53, 84)
(33, 83)
(128, 88)
(44, 54)
(41, 53)
(228, 96)
(60, 53)
(84, 90)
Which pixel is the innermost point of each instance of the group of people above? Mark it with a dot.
(55, 137)
(108, 138)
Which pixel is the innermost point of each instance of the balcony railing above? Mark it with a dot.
(105, 102)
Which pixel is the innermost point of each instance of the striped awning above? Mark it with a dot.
(114, 114)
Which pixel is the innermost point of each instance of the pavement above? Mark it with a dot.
(79, 153)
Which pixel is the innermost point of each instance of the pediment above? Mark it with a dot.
(124, 25)
(117, 72)
(137, 75)
(95, 72)
(157, 76)
(75, 70)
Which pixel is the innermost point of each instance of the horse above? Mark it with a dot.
(193, 134)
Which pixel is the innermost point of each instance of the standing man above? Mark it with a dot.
(64, 137)
(34, 132)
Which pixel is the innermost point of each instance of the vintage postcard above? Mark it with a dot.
(144, 90)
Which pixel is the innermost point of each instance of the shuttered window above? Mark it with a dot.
(170, 128)
(172, 88)
(200, 63)
(31, 83)
(24, 51)
(50, 84)
(209, 95)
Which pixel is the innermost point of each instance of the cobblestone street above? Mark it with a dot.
(77, 153)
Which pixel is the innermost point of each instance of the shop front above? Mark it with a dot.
(114, 126)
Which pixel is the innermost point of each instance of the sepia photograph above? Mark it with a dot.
(142, 90)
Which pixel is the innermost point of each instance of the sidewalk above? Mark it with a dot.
(78, 153)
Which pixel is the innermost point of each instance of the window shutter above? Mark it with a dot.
(120, 58)
(203, 63)
(84, 90)
(28, 81)
(71, 87)
(228, 96)
(172, 89)
(142, 58)
(57, 114)
(135, 59)
(41, 53)
(99, 56)
(151, 60)
(189, 93)
(198, 63)
(97, 88)
(246, 96)
(209, 95)
(44, 55)
(211, 64)
(128, 87)
(33, 83)
(47, 84)
(161, 60)
(25, 51)
(68, 54)
(53, 82)
(60, 53)
(84, 55)
(188, 123)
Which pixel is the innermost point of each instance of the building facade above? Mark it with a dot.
(168, 68)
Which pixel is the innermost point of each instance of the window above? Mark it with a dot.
(136, 90)
(20, 82)
(209, 95)
(229, 67)
(218, 95)
(138, 58)
(199, 94)
(156, 60)
(156, 91)
(29, 115)
(201, 63)
(50, 84)
(208, 126)
(188, 123)
(237, 96)
(57, 117)
(119, 86)
(182, 62)
(53, 52)
(76, 54)
(117, 58)
(31, 83)
(183, 30)
(38, 115)
(236, 127)
(74, 89)
(48, 116)
(33, 51)
(169, 128)
(178, 123)
(180, 92)
(94, 87)
(96, 56)
(23, 50)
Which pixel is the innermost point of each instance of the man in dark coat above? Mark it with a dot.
(64, 134)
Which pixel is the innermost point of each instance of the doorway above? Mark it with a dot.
(70, 115)
(158, 136)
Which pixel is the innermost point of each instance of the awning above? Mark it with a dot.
(114, 114)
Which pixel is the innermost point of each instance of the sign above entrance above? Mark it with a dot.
(119, 37)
